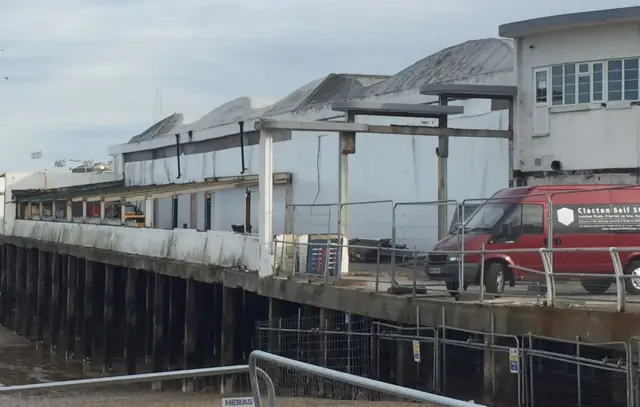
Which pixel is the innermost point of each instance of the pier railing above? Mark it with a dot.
(552, 285)
(297, 384)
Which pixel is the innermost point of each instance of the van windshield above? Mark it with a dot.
(487, 216)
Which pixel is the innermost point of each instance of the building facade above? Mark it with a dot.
(577, 117)
(385, 167)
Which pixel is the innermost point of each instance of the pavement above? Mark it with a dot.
(363, 276)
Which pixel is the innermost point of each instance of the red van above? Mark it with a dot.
(517, 218)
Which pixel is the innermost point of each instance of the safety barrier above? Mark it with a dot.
(548, 279)
(483, 366)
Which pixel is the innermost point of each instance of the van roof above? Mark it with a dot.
(567, 187)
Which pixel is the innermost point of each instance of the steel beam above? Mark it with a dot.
(267, 124)
(317, 126)
(470, 91)
(360, 107)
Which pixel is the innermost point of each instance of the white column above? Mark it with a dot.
(265, 181)
(148, 212)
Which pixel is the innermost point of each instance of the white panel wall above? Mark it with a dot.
(580, 139)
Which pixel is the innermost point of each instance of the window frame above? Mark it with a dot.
(590, 73)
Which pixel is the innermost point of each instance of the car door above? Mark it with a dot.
(528, 227)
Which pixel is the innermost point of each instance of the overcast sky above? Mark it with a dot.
(85, 74)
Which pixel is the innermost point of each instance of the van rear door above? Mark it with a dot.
(581, 219)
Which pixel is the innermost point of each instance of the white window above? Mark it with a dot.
(586, 82)
(541, 86)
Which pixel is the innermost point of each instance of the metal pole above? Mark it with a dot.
(265, 182)
(443, 154)
(578, 372)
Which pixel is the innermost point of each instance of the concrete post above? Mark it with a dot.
(30, 292)
(193, 214)
(84, 211)
(266, 204)
(102, 210)
(69, 210)
(148, 212)
(443, 154)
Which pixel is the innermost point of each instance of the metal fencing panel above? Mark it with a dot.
(306, 385)
(193, 388)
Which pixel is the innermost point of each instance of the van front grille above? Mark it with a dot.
(437, 258)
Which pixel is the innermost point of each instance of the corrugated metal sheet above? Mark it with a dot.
(471, 58)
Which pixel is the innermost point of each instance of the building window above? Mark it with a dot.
(569, 84)
(586, 82)
(541, 86)
(556, 85)
(614, 79)
(631, 79)
(597, 81)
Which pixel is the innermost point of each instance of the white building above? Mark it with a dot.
(577, 119)
(385, 167)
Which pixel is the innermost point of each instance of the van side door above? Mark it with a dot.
(582, 220)
(527, 227)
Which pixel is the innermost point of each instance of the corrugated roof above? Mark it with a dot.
(471, 58)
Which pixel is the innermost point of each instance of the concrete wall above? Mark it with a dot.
(214, 248)
(580, 135)
(385, 167)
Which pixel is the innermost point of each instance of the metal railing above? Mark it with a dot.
(195, 387)
(548, 277)
(304, 384)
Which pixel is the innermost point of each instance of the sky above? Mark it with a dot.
(87, 74)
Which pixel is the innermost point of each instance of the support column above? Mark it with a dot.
(31, 292)
(89, 299)
(191, 322)
(44, 294)
(266, 204)
(346, 146)
(70, 334)
(131, 306)
(109, 331)
(55, 306)
(193, 208)
(149, 314)
(148, 212)
(228, 337)
(3, 285)
(20, 290)
(159, 345)
(442, 153)
(10, 286)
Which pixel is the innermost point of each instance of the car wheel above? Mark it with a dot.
(596, 286)
(452, 287)
(494, 278)
(632, 285)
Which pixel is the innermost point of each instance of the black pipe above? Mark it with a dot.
(241, 125)
(178, 153)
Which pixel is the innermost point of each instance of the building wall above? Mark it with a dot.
(41, 180)
(385, 167)
(597, 134)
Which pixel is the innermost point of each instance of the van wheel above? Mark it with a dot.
(632, 285)
(494, 278)
(452, 287)
(596, 286)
